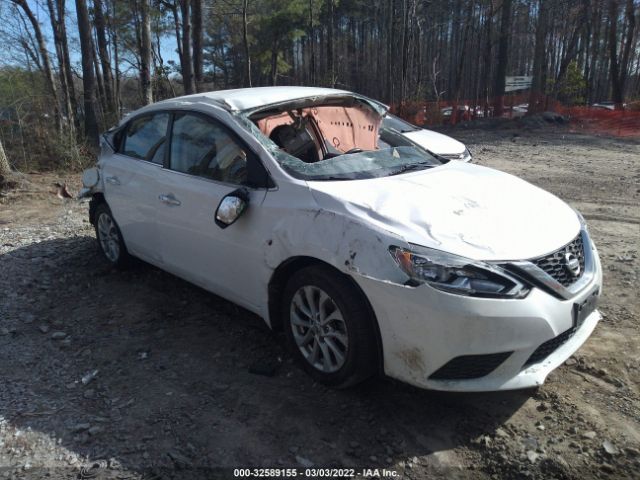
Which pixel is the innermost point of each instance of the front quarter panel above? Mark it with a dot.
(334, 237)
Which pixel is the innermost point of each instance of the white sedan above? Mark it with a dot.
(434, 142)
(372, 254)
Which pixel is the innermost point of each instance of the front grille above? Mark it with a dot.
(467, 367)
(555, 264)
(550, 346)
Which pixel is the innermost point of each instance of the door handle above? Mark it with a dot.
(169, 199)
(113, 180)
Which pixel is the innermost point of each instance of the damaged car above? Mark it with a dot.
(372, 253)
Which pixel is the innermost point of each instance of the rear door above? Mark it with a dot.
(207, 161)
(131, 182)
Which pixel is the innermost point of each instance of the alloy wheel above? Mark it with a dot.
(319, 329)
(108, 236)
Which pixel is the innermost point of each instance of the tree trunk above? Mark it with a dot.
(461, 62)
(186, 65)
(5, 169)
(503, 58)
(390, 51)
(116, 65)
(60, 7)
(312, 42)
(196, 19)
(103, 54)
(539, 60)
(46, 63)
(62, 70)
(331, 67)
(88, 78)
(145, 53)
(274, 64)
(245, 42)
(486, 73)
(176, 24)
(619, 68)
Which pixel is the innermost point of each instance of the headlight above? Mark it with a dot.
(455, 274)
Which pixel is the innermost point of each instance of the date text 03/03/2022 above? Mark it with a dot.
(314, 472)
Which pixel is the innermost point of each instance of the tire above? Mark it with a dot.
(343, 329)
(109, 238)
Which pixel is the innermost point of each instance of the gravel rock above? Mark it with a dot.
(590, 435)
(180, 460)
(58, 335)
(532, 456)
(88, 377)
(610, 448)
(304, 462)
(80, 427)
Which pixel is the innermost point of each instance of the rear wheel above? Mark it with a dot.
(109, 237)
(328, 327)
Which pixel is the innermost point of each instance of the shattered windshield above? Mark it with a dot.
(395, 154)
(352, 166)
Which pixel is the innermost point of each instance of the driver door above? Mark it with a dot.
(206, 162)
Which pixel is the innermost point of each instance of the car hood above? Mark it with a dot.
(435, 142)
(461, 208)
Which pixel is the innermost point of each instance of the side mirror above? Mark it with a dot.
(232, 207)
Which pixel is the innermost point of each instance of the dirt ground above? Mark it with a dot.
(138, 374)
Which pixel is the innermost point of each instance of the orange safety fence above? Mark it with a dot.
(599, 118)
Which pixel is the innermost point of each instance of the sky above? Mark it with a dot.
(39, 9)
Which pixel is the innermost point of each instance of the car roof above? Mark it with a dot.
(250, 98)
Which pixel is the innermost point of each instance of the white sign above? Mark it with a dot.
(517, 83)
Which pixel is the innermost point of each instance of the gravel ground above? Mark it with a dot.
(138, 374)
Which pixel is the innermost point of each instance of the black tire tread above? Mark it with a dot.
(124, 260)
(362, 360)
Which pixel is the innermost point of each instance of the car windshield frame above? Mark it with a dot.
(393, 122)
(383, 162)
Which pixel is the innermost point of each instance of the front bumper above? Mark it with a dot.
(423, 329)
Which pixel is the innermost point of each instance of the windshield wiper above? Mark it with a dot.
(410, 167)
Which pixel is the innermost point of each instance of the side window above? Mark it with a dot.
(146, 137)
(202, 147)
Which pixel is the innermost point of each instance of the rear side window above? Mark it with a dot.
(146, 136)
(202, 147)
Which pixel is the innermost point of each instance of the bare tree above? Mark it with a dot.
(539, 54)
(103, 54)
(619, 67)
(145, 53)
(88, 76)
(44, 55)
(186, 62)
(331, 67)
(245, 41)
(503, 58)
(5, 169)
(196, 20)
(65, 81)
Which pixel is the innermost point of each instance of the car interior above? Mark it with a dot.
(320, 131)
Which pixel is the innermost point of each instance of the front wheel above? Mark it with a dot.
(109, 237)
(329, 327)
